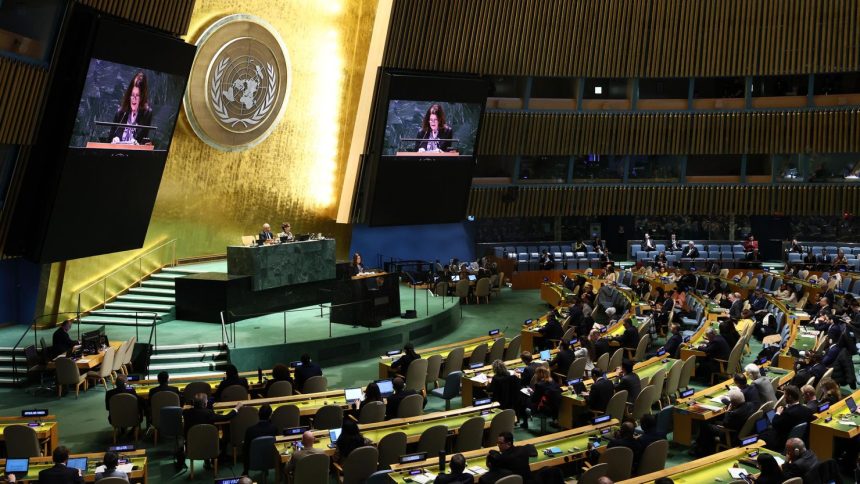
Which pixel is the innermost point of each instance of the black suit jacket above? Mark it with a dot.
(717, 348)
(791, 416)
(493, 475)
(632, 384)
(736, 309)
(229, 382)
(444, 133)
(144, 117)
(164, 388)
(306, 371)
(117, 391)
(393, 403)
(265, 236)
(516, 460)
(690, 252)
(60, 474)
(562, 361)
(735, 419)
(599, 394)
(673, 345)
(197, 416)
(61, 342)
(528, 373)
(263, 428)
(402, 363)
(552, 330)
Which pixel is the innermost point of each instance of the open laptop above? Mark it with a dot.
(333, 435)
(353, 394)
(455, 278)
(761, 425)
(79, 463)
(386, 388)
(19, 467)
(545, 355)
(770, 415)
(473, 277)
(851, 404)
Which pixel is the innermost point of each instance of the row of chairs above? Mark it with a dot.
(114, 362)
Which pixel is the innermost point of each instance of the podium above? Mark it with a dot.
(116, 146)
(365, 300)
(427, 154)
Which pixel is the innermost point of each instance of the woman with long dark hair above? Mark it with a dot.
(134, 109)
(349, 440)
(770, 470)
(435, 134)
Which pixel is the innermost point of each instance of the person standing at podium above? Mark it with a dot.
(266, 236)
(356, 267)
(435, 133)
(134, 109)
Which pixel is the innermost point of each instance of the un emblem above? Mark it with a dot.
(239, 83)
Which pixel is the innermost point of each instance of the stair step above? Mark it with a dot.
(198, 355)
(20, 359)
(203, 375)
(114, 320)
(10, 381)
(182, 270)
(146, 298)
(155, 291)
(10, 369)
(9, 349)
(135, 306)
(167, 276)
(211, 365)
(158, 283)
(128, 313)
(192, 346)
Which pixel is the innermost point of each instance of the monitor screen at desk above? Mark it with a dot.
(79, 463)
(353, 394)
(455, 278)
(473, 277)
(544, 355)
(851, 404)
(19, 466)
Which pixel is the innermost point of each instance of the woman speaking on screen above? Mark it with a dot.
(435, 134)
(133, 110)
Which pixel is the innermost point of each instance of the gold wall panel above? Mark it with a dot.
(567, 201)
(547, 134)
(625, 38)
(208, 199)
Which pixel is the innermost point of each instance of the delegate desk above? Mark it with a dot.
(479, 378)
(554, 294)
(707, 405)
(142, 387)
(713, 468)
(572, 445)
(137, 458)
(571, 401)
(88, 362)
(308, 403)
(48, 431)
(690, 348)
(366, 299)
(843, 424)
(469, 345)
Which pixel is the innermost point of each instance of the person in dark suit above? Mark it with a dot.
(504, 387)
(231, 377)
(795, 247)
(547, 260)
(690, 251)
(629, 381)
(661, 261)
(552, 330)
(650, 434)
(729, 331)
(600, 392)
(199, 413)
(60, 474)
(624, 437)
(121, 387)
(715, 348)
(266, 236)
(263, 428)
(163, 386)
(61, 341)
(529, 369)
(435, 134)
(673, 342)
(356, 267)
(628, 339)
(494, 472)
(134, 109)
(798, 459)
(737, 413)
(648, 244)
(563, 359)
(513, 458)
(306, 370)
(409, 355)
(280, 372)
(750, 392)
(400, 393)
(567, 282)
(791, 414)
(458, 474)
(737, 306)
(674, 245)
(825, 260)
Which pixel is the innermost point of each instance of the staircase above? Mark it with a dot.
(154, 297)
(7, 370)
(197, 359)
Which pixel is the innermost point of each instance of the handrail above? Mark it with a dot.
(35, 329)
(139, 261)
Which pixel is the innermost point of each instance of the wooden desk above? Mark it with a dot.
(48, 431)
(88, 362)
(573, 444)
(469, 345)
(308, 403)
(137, 457)
(689, 349)
(713, 468)
(554, 294)
(842, 425)
(118, 146)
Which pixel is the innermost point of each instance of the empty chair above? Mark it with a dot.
(234, 393)
(21, 442)
(124, 413)
(441, 289)
(360, 464)
(654, 457)
(262, 455)
(371, 412)
(68, 374)
(433, 439)
(391, 447)
(470, 435)
(450, 390)
(620, 460)
(502, 422)
(511, 479)
(593, 474)
(111, 480)
(616, 405)
(453, 362)
(315, 384)
(329, 417)
(615, 359)
(482, 290)
(461, 290)
(127, 356)
(312, 468)
(246, 417)
(577, 368)
(281, 388)
(103, 372)
(643, 402)
(497, 351)
(686, 373)
(411, 406)
(513, 350)
(194, 388)
(285, 416)
(672, 380)
(117, 367)
(658, 382)
(434, 365)
(479, 354)
(159, 400)
(170, 423)
(603, 362)
(416, 375)
(202, 444)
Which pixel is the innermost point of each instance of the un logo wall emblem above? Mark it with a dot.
(239, 83)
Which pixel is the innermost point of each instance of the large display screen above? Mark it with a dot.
(111, 108)
(423, 141)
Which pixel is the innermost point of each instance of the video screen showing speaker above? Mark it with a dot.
(107, 126)
(423, 142)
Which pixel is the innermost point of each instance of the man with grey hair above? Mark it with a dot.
(266, 236)
(737, 308)
(798, 459)
(761, 383)
(737, 413)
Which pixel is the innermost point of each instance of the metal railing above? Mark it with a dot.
(130, 279)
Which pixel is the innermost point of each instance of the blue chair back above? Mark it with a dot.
(262, 452)
(664, 420)
(170, 423)
(452, 385)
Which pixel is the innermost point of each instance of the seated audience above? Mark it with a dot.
(164, 386)
(349, 440)
(199, 413)
(624, 437)
(716, 348)
(59, 473)
(402, 364)
(504, 387)
(61, 342)
(673, 342)
(546, 395)
(629, 381)
(514, 458)
(306, 450)
(807, 393)
(729, 331)
(828, 392)
(761, 383)
(110, 461)
(231, 378)
(280, 372)
(771, 473)
(263, 428)
(400, 393)
(750, 391)
(529, 370)
(791, 414)
(736, 415)
(650, 434)
(552, 330)
(457, 474)
(371, 394)
(121, 387)
(494, 470)
(798, 459)
(563, 359)
(307, 369)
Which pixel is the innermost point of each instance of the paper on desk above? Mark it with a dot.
(737, 472)
(476, 470)
(779, 460)
(481, 378)
(718, 399)
(709, 407)
(424, 478)
(122, 468)
(82, 360)
(808, 335)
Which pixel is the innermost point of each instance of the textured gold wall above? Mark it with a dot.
(208, 198)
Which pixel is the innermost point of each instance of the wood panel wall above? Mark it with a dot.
(497, 202)
(625, 38)
(171, 16)
(24, 85)
(544, 134)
